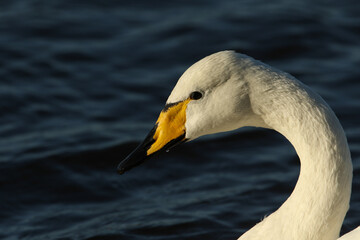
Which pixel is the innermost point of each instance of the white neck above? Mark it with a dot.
(320, 200)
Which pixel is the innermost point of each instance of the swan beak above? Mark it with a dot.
(168, 132)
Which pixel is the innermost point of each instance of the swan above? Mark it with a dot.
(229, 90)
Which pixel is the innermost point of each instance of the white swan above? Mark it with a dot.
(226, 91)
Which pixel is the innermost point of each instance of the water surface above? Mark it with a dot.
(82, 83)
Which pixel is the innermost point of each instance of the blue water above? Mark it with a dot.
(82, 82)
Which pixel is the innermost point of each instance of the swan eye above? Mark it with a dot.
(195, 95)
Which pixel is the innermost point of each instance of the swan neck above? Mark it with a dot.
(320, 200)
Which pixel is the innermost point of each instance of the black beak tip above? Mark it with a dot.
(124, 166)
(134, 159)
(120, 170)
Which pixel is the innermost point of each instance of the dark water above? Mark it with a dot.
(82, 83)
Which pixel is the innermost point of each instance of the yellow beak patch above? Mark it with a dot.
(170, 125)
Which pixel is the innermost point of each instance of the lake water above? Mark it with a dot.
(82, 82)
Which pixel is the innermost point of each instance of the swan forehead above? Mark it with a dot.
(206, 74)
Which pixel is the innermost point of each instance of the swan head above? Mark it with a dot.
(211, 96)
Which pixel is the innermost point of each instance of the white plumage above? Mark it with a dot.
(240, 91)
